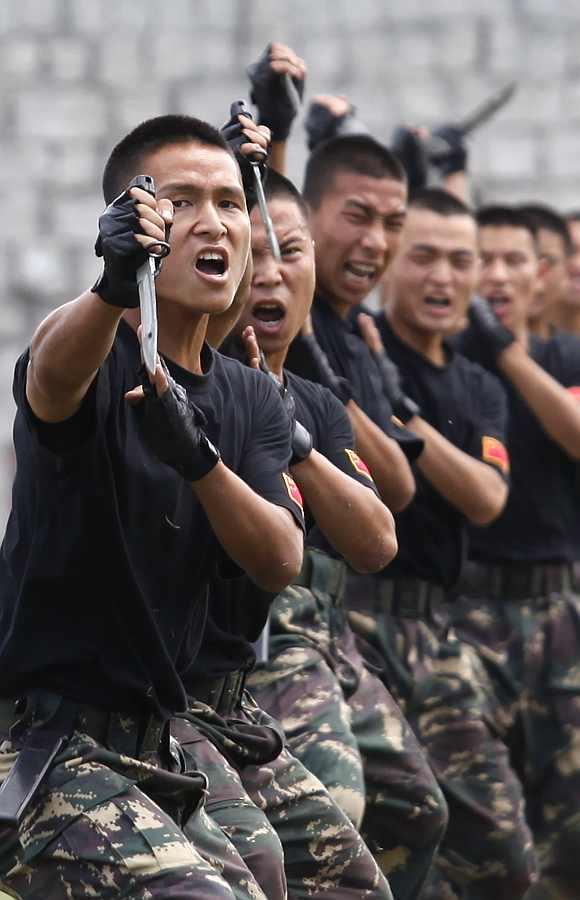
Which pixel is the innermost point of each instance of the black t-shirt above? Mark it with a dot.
(468, 407)
(540, 521)
(238, 610)
(107, 550)
(350, 358)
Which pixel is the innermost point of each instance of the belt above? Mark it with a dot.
(517, 580)
(322, 572)
(409, 598)
(223, 692)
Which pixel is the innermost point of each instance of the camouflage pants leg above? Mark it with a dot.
(324, 855)
(92, 832)
(301, 691)
(406, 813)
(444, 692)
(253, 840)
(531, 650)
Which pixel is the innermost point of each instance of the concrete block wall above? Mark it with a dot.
(77, 74)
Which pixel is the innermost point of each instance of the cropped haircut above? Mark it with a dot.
(358, 153)
(547, 218)
(505, 216)
(439, 201)
(277, 185)
(573, 215)
(126, 157)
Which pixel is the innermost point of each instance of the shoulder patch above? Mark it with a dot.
(293, 490)
(358, 464)
(494, 452)
(575, 391)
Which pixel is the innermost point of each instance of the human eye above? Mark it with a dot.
(290, 249)
(180, 203)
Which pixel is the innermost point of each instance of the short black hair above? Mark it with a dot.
(277, 185)
(125, 159)
(440, 201)
(358, 153)
(507, 216)
(573, 216)
(547, 218)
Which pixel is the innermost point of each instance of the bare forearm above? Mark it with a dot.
(469, 485)
(351, 516)
(263, 539)
(557, 410)
(67, 349)
(387, 462)
(278, 157)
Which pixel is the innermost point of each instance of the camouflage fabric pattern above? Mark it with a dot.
(444, 691)
(341, 722)
(230, 807)
(91, 831)
(530, 647)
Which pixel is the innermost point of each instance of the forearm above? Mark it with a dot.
(555, 408)
(67, 350)
(278, 157)
(458, 184)
(471, 486)
(357, 524)
(385, 459)
(262, 538)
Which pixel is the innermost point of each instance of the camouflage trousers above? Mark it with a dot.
(324, 856)
(446, 695)
(525, 623)
(94, 830)
(341, 722)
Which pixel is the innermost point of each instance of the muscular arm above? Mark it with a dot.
(387, 462)
(262, 538)
(555, 408)
(471, 486)
(357, 524)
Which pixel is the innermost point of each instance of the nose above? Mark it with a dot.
(495, 270)
(374, 239)
(209, 222)
(441, 271)
(266, 270)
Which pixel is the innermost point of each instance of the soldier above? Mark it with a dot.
(122, 507)
(518, 605)
(554, 248)
(356, 195)
(566, 316)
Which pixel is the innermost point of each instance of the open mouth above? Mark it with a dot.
(212, 263)
(498, 303)
(364, 271)
(268, 315)
(438, 302)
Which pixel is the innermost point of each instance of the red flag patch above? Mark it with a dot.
(575, 391)
(359, 464)
(494, 452)
(293, 490)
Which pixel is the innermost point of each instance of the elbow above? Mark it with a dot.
(375, 553)
(404, 494)
(489, 509)
(281, 568)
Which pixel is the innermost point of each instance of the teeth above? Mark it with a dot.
(218, 256)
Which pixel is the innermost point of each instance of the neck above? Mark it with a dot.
(541, 327)
(276, 361)
(181, 334)
(521, 333)
(428, 344)
(567, 318)
(340, 307)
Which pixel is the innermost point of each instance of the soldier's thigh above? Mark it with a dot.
(124, 847)
(324, 855)
(302, 692)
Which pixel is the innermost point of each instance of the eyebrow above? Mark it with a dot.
(369, 211)
(188, 188)
(429, 248)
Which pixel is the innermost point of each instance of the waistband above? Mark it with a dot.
(409, 598)
(222, 692)
(322, 572)
(516, 580)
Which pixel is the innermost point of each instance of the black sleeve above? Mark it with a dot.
(267, 452)
(564, 362)
(337, 440)
(489, 433)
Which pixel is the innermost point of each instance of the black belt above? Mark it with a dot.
(222, 692)
(323, 572)
(516, 580)
(409, 598)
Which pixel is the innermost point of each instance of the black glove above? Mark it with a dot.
(233, 134)
(403, 407)
(492, 337)
(301, 437)
(173, 428)
(452, 160)
(121, 253)
(322, 125)
(276, 106)
(410, 150)
(308, 359)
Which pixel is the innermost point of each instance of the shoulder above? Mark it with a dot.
(479, 382)
(560, 355)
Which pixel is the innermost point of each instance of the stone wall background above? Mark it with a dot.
(77, 74)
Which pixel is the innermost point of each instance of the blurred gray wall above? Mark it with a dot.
(77, 74)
